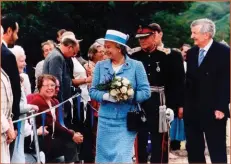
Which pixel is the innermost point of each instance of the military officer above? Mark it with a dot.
(165, 71)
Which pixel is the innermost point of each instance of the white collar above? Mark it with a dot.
(206, 48)
(4, 42)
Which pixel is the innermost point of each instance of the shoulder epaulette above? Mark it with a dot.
(133, 50)
(165, 50)
(176, 49)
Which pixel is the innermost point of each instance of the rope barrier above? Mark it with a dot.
(48, 110)
(58, 105)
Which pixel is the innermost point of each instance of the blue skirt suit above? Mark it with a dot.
(114, 142)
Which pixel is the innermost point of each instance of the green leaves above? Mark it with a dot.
(176, 26)
(40, 20)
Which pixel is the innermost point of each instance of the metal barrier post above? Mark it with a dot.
(36, 139)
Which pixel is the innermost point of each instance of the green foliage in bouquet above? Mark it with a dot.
(106, 85)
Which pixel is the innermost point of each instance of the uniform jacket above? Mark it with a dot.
(134, 71)
(207, 86)
(170, 75)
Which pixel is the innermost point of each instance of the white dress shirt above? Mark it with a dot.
(207, 47)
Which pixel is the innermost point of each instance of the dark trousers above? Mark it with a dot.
(85, 128)
(159, 147)
(142, 139)
(61, 147)
(159, 152)
(11, 147)
(215, 135)
(175, 145)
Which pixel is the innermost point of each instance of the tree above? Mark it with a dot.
(40, 21)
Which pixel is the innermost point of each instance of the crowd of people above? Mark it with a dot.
(191, 82)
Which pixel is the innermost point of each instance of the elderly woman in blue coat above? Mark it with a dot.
(114, 142)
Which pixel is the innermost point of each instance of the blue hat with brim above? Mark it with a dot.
(115, 36)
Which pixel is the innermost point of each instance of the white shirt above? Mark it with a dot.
(4, 42)
(207, 47)
(26, 83)
(117, 68)
(185, 66)
(80, 72)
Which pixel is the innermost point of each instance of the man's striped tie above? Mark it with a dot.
(201, 56)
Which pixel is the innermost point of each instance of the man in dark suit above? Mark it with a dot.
(207, 94)
(8, 60)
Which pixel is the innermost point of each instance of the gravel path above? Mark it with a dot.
(183, 157)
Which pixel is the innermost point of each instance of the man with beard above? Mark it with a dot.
(165, 72)
(9, 65)
(8, 60)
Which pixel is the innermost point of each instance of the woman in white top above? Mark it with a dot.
(81, 80)
(18, 152)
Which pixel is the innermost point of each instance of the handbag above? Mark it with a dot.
(136, 119)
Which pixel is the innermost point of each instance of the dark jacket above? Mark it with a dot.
(56, 65)
(207, 86)
(9, 65)
(171, 75)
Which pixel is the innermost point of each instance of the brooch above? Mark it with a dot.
(158, 67)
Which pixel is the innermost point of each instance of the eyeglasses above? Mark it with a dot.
(51, 85)
(102, 52)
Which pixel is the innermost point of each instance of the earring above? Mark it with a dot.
(119, 51)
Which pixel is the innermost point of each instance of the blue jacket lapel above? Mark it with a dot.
(108, 67)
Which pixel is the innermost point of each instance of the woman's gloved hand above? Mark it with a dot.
(108, 97)
(169, 115)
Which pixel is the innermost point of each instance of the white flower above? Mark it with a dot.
(125, 82)
(113, 92)
(125, 97)
(130, 92)
(123, 89)
(117, 83)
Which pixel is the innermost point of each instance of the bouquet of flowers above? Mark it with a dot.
(119, 88)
